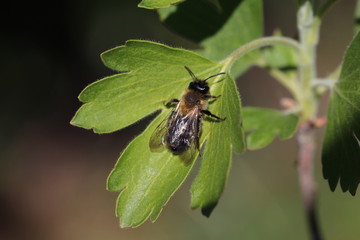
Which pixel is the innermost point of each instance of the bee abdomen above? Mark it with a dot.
(178, 140)
(178, 149)
(178, 145)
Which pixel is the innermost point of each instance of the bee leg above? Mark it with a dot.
(208, 96)
(207, 112)
(174, 100)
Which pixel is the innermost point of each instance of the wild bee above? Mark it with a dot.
(180, 132)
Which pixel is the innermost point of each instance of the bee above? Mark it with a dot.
(180, 132)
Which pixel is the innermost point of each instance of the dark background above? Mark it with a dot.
(53, 174)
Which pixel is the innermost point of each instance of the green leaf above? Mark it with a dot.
(155, 4)
(341, 149)
(151, 74)
(218, 28)
(220, 140)
(154, 73)
(265, 124)
(147, 179)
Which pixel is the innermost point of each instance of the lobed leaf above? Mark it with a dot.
(151, 73)
(219, 27)
(341, 148)
(221, 139)
(265, 124)
(146, 180)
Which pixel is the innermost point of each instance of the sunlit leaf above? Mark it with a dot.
(341, 149)
(146, 180)
(223, 137)
(151, 74)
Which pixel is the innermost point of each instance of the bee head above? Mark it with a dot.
(199, 85)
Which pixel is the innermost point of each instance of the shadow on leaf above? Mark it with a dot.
(200, 19)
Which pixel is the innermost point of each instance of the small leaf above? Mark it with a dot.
(221, 139)
(155, 4)
(280, 57)
(151, 72)
(147, 179)
(341, 149)
(218, 28)
(265, 124)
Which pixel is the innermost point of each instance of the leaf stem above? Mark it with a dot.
(329, 83)
(321, 86)
(259, 43)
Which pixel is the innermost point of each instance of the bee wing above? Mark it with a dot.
(157, 139)
(195, 127)
(188, 156)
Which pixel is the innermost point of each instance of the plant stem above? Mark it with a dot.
(308, 26)
(259, 43)
(307, 183)
(290, 84)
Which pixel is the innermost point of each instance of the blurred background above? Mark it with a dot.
(53, 175)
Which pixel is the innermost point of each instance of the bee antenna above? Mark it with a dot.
(191, 73)
(214, 76)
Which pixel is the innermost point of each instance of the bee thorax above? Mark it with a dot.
(191, 99)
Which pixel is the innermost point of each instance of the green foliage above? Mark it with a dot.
(155, 73)
(341, 150)
(265, 124)
(218, 28)
(154, 4)
(146, 180)
(151, 74)
(280, 57)
(220, 141)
